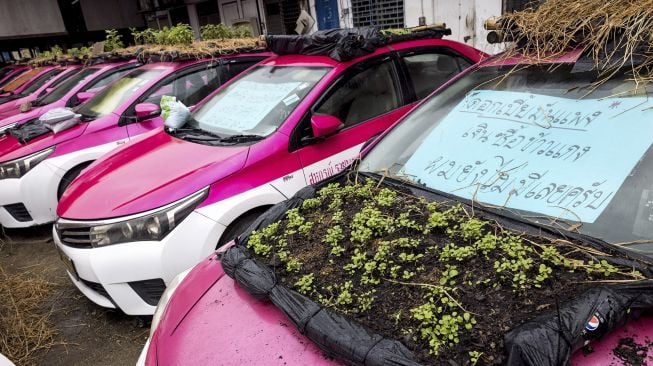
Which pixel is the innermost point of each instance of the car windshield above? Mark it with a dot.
(66, 86)
(4, 71)
(113, 96)
(12, 77)
(21, 80)
(42, 80)
(549, 144)
(257, 103)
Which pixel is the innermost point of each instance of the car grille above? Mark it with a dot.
(19, 212)
(149, 290)
(79, 237)
(97, 288)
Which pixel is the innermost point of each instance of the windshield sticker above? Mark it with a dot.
(564, 158)
(246, 104)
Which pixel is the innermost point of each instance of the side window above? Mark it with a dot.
(189, 88)
(429, 70)
(105, 80)
(363, 94)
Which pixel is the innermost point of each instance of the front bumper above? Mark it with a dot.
(122, 275)
(32, 199)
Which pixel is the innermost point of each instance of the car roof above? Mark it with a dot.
(325, 61)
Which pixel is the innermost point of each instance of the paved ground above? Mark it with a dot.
(87, 333)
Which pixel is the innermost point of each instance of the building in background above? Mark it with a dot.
(30, 26)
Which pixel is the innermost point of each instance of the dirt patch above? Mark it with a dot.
(632, 353)
(439, 278)
(82, 333)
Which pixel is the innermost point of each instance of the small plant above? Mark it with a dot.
(113, 40)
(305, 284)
(429, 270)
(221, 32)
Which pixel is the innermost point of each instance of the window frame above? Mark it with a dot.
(130, 66)
(297, 141)
(443, 50)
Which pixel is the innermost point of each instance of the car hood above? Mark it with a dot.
(200, 319)
(11, 148)
(149, 173)
(17, 117)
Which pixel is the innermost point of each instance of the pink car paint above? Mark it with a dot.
(25, 80)
(235, 178)
(190, 167)
(198, 325)
(200, 319)
(74, 148)
(103, 70)
(13, 107)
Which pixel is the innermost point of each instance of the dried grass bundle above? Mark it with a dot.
(615, 33)
(195, 50)
(24, 324)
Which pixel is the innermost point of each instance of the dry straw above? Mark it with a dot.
(25, 325)
(615, 33)
(195, 50)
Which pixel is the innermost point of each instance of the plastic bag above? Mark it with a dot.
(59, 119)
(56, 115)
(28, 131)
(339, 44)
(177, 116)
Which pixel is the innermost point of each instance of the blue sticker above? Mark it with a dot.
(565, 158)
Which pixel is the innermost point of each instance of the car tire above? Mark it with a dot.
(69, 177)
(239, 225)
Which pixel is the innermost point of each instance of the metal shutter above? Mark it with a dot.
(382, 13)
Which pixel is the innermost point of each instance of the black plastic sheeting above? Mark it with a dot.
(339, 337)
(28, 131)
(548, 339)
(551, 338)
(342, 44)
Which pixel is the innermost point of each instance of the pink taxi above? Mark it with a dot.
(520, 127)
(38, 88)
(148, 211)
(36, 165)
(70, 92)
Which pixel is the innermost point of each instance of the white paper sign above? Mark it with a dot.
(246, 104)
(560, 157)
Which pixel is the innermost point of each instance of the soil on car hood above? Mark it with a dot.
(84, 333)
(439, 278)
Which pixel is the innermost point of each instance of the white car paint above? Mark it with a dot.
(191, 241)
(37, 189)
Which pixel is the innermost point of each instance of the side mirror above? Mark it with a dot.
(84, 96)
(146, 110)
(324, 125)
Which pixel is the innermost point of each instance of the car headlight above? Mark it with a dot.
(165, 298)
(19, 167)
(154, 225)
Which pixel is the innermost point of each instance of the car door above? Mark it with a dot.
(367, 98)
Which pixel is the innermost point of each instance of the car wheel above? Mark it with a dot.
(238, 226)
(69, 177)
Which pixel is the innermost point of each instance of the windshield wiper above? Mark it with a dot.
(242, 138)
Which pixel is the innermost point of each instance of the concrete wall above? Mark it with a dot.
(110, 14)
(464, 17)
(30, 17)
